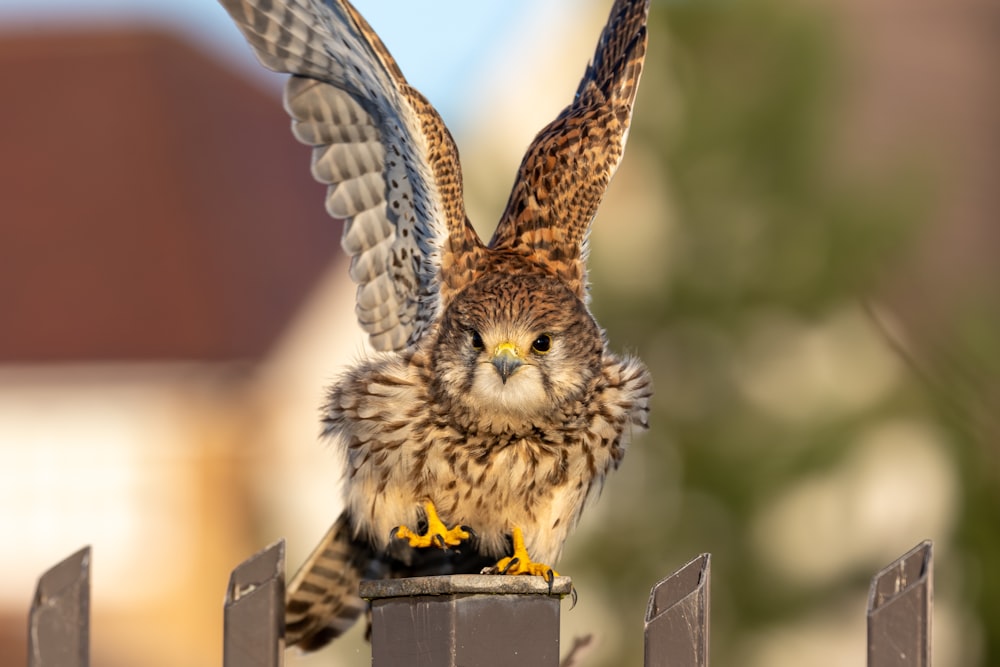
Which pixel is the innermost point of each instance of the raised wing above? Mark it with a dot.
(391, 164)
(567, 168)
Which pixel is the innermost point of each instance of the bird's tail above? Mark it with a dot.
(322, 601)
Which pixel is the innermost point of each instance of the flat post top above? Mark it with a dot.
(464, 584)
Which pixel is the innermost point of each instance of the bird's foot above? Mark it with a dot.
(436, 535)
(521, 563)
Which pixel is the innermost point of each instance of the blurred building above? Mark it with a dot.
(160, 246)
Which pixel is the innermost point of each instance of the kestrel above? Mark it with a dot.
(493, 408)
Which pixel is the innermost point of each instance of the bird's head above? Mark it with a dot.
(514, 348)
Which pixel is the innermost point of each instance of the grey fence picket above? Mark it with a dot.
(59, 620)
(677, 617)
(899, 611)
(254, 615)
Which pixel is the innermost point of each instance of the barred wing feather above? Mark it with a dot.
(391, 165)
(567, 168)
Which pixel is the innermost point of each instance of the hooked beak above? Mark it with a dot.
(506, 360)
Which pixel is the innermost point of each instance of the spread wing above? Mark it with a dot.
(390, 163)
(567, 168)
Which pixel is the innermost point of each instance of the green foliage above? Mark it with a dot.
(738, 105)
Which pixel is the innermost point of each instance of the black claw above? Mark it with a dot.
(470, 531)
(394, 534)
(572, 595)
(513, 561)
(550, 577)
(439, 541)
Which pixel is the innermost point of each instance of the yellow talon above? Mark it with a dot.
(521, 563)
(437, 534)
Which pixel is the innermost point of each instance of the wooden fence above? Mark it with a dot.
(475, 620)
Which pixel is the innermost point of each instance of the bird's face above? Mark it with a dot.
(510, 373)
(513, 349)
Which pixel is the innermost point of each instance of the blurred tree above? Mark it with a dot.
(771, 380)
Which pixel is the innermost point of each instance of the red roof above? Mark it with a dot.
(153, 203)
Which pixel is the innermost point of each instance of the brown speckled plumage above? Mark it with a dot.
(494, 395)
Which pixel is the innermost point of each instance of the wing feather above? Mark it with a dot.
(354, 195)
(367, 229)
(390, 164)
(367, 266)
(340, 161)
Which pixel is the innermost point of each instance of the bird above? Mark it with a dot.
(490, 408)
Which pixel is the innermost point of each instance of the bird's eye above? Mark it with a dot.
(477, 341)
(542, 344)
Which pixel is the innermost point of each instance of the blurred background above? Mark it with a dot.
(801, 243)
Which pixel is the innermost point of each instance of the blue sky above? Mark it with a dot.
(439, 44)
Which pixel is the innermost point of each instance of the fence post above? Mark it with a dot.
(899, 611)
(254, 616)
(677, 617)
(59, 620)
(467, 619)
